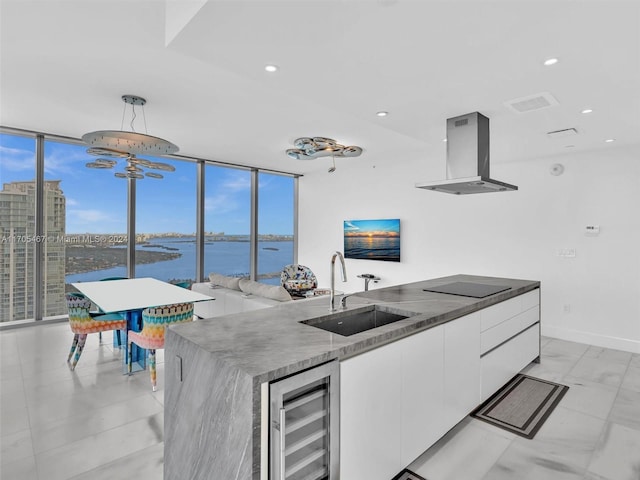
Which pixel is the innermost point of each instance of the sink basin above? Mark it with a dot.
(350, 322)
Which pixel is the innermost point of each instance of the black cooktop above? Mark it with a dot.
(466, 289)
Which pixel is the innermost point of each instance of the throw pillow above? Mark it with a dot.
(274, 292)
(232, 283)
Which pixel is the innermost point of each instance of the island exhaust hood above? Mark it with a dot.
(467, 158)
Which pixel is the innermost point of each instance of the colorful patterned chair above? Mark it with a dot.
(154, 323)
(298, 279)
(83, 322)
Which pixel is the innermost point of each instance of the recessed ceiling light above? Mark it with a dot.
(271, 68)
(587, 110)
(382, 114)
(609, 140)
(444, 139)
(550, 61)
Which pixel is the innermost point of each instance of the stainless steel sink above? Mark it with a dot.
(350, 322)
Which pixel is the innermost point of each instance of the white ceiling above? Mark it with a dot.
(65, 65)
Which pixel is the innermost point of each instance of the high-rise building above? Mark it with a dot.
(17, 248)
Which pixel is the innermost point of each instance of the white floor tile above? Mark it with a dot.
(563, 347)
(600, 371)
(617, 456)
(522, 461)
(22, 469)
(91, 452)
(588, 397)
(631, 380)
(567, 437)
(626, 410)
(608, 355)
(146, 464)
(61, 431)
(479, 447)
(16, 446)
(13, 419)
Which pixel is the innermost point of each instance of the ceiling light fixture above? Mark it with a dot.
(309, 148)
(587, 110)
(127, 145)
(271, 68)
(610, 140)
(550, 61)
(382, 114)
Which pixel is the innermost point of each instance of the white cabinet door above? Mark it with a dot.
(461, 367)
(501, 364)
(370, 420)
(422, 392)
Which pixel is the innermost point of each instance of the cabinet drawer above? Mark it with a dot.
(500, 365)
(495, 314)
(501, 332)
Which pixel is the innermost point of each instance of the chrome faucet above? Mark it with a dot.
(332, 295)
(343, 301)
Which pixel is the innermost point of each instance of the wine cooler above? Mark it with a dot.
(304, 433)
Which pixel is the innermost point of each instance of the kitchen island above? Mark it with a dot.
(216, 369)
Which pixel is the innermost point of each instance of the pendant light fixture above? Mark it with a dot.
(127, 145)
(308, 148)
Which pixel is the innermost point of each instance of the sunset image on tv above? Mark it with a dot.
(372, 239)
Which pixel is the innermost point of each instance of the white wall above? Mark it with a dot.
(592, 298)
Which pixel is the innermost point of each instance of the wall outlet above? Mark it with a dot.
(567, 308)
(566, 252)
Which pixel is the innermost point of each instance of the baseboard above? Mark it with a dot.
(604, 341)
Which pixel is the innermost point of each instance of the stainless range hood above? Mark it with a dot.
(467, 158)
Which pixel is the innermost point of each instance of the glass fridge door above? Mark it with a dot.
(304, 425)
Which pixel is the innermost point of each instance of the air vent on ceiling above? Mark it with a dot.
(567, 132)
(531, 102)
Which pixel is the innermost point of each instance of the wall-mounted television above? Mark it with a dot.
(372, 239)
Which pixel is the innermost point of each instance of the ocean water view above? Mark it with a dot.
(372, 248)
(220, 256)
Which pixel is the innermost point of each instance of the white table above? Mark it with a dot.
(136, 294)
(130, 297)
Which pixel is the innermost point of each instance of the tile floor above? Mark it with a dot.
(96, 424)
(593, 434)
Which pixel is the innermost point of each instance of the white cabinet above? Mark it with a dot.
(502, 363)
(370, 395)
(399, 399)
(422, 398)
(461, 367)
(509, 340)
(390, 416)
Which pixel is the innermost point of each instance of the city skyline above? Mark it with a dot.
(97, 201)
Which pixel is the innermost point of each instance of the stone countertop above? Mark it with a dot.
(271, 343)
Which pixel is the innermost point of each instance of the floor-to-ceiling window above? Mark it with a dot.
(17, 226)
(62, 222)
(227, 221)
(85, 221)
(275, 225)
(166, 223)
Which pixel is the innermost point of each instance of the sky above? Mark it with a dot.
(96, 200)
(382, 227)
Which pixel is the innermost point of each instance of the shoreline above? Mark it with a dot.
(81, 259)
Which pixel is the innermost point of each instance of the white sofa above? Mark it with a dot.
(233, 295)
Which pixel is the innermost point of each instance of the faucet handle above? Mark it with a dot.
(343, 300)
